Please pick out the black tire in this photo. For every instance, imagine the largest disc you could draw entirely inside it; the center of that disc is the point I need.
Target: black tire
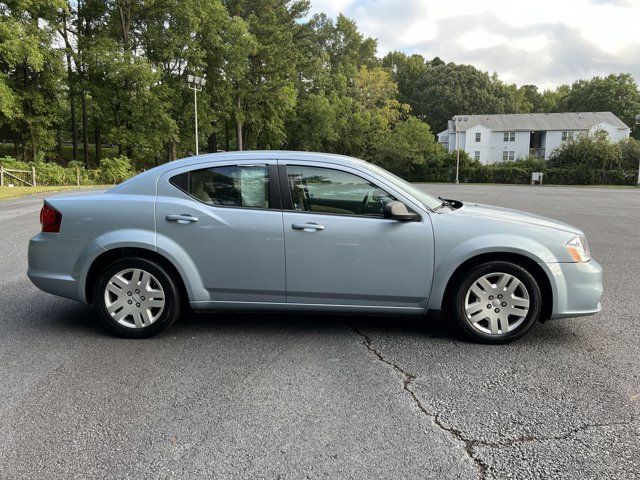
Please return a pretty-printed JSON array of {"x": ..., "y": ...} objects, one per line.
[
  {"x": 172, "y": 301},
  {"x": 457, "y": 300}
]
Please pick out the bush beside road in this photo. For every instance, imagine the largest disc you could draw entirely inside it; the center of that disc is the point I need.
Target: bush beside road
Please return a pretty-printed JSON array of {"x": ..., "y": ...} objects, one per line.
[{"x": 586, "y": 160}]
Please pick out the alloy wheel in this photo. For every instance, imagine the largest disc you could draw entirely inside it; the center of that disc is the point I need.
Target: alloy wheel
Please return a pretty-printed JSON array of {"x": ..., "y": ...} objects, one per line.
[
  {"x": 134, "y": 298},
  {"x": 496, "y": 303}
]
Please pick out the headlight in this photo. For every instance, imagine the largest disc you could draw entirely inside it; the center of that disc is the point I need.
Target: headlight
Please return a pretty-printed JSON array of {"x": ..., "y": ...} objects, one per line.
[{"x": 579, "y": 249}]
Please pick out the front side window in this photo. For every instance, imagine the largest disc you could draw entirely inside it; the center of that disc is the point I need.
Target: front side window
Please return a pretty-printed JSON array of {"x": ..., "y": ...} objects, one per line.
[
  {"x": 478, "y": 136},
  {"x": 476, "y": 155},
  {"x": 324, "y": 190},
  {"x": 227, "y": 186}
]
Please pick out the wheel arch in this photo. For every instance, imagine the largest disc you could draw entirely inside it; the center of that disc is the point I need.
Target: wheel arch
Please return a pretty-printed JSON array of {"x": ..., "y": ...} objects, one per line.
[
  {"x": 533, "y": 267},
  {"x": 107, "y": 257}
]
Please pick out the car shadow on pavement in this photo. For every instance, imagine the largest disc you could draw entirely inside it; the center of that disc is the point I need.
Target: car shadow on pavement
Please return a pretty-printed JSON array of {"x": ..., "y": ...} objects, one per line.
[
  {"x": 433, "y": 326},
  {"x": 83, "y": 319},
  {"x": 438, "y": 327}
]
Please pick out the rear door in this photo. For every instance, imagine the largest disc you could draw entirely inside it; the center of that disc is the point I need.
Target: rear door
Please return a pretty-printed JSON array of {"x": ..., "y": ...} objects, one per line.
[
  {"x": 226, "y": 217},
  {"x": 339, "y": 248}
]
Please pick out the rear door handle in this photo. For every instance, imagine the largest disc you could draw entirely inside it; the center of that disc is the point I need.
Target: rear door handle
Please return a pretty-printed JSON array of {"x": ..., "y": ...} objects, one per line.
[
  {"x": 181, "y": 218},
  {"x": 307, "y": 227}
]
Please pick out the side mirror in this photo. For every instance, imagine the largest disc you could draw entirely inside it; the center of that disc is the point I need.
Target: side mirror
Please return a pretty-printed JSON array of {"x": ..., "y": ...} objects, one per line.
[{"x": 398, "y": 211}]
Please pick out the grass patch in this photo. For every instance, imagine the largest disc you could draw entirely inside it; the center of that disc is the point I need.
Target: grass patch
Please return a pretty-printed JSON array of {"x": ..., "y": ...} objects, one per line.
[{"x": 7, "y": 193}]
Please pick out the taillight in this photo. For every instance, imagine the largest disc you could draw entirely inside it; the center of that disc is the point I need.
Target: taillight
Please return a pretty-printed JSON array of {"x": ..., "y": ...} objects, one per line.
[{"x": 50, "y": 219}]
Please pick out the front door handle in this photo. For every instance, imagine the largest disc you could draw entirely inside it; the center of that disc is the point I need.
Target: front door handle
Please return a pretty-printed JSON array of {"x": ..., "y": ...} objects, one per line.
[
  {"x": 181, "y": 218},
  {"x": 307, "y": 227}
]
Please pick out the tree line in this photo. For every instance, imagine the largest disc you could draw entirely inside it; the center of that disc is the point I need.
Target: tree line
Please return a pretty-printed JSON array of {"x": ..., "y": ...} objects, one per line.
[{"x": 78, "y": 77}]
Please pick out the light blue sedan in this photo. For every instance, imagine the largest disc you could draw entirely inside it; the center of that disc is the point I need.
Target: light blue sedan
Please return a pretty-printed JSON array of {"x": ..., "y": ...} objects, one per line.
[{"x": 307, "y": 232}]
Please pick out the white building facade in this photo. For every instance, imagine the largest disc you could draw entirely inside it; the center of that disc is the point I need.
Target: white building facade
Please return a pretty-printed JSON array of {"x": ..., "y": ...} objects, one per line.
[{"x": 508, "y": 137}]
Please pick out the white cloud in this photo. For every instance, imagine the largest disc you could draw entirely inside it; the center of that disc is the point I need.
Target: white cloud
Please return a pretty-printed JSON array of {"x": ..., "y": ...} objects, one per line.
[{"x": 547, "y": 42}]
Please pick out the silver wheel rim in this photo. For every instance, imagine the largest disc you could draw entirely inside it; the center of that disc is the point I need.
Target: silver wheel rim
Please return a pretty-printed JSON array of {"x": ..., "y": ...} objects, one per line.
[
  {"x": 134, "y": 298},
  {"x": 496, "y": 303}
]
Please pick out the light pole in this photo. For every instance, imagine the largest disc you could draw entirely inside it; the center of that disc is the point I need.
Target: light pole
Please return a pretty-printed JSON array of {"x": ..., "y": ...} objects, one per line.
[
  {"x": 638, "y": 126},
  {"x": 456, "y": 122},
  {"x": 196, "y": 84}
]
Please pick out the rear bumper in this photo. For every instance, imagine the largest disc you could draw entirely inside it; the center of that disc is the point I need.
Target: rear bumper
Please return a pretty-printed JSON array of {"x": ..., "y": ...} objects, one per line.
[
  {"x": 53, "y": 264},
  {"x": 577, "y": 288}
]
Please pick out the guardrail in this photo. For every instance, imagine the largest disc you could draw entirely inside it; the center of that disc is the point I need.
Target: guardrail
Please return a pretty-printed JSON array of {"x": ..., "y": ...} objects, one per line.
[{"x": 21, "y": 176}]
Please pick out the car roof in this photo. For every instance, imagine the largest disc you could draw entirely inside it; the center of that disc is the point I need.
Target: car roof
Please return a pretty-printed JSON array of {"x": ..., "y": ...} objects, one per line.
[
  {"x": 265, "y": 155},
  {"x": 147, "y": 180}
]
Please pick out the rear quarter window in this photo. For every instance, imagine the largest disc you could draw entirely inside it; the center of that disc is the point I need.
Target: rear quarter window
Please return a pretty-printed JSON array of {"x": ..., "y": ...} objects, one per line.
[{"x": 245, "y": 186}]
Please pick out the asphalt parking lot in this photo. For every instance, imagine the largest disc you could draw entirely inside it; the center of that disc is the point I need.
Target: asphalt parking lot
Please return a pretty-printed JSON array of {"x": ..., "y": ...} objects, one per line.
[{"x": 300, "y": 396}]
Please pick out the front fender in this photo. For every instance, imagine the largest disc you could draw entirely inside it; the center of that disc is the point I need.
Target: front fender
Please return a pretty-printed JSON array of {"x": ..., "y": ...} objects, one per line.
[{"x": 448, "y": 258}]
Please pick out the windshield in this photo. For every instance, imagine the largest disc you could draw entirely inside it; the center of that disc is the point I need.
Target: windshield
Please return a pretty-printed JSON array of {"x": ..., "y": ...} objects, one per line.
[{"x": 423, "y": 197}]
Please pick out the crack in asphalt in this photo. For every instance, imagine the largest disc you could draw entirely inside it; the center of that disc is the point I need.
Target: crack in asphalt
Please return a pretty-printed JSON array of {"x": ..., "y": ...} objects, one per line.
[
  {"x": 470, "y": 443},
  {"x": 407, "y": 381}
]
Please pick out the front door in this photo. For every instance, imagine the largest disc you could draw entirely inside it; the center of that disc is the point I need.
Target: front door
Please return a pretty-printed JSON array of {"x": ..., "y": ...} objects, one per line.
[
  {"x": 226, "y": 219},
  {"x": 339, "y": 248}
]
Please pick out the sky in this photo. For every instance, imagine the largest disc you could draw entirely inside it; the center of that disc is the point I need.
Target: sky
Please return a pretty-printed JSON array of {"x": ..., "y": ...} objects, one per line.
[{"x": 543, "y": 42}]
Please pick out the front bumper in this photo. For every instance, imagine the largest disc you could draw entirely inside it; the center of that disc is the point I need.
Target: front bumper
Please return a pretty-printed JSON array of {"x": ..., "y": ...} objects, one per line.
[{"x": 577, "y": 288}]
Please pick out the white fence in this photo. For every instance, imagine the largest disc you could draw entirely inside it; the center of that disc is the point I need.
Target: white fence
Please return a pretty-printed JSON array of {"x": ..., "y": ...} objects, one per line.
[{"x": 22, "y": 177}]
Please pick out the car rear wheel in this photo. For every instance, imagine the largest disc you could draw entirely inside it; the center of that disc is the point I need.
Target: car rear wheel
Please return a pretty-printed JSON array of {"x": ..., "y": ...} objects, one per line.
[
  {"x": 136, "y": 298},
  {"x": 496, "y": 302}
]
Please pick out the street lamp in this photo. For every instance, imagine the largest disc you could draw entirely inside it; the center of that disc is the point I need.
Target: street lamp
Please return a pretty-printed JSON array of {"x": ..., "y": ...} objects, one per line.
[
  {"x": 196, "y": 84},
  {"x": 638, "y": 124},
  {"x": 456, "y": 122}
]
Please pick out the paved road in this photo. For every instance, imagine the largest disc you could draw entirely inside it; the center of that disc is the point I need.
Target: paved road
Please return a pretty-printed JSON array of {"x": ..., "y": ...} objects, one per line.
[{"x": 257, "y": 396}]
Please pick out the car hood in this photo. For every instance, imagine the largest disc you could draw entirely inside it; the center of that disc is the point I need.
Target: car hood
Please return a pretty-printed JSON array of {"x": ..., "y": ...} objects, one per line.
[{"x": 478, "y": 210}]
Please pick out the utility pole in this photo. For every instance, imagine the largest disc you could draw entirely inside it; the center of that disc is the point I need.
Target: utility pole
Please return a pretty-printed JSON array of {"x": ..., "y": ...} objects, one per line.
[
  {"x": 196, "y": 84},
  {"x": 457, "y": 120},
  {"x": 638, "y": 126}
]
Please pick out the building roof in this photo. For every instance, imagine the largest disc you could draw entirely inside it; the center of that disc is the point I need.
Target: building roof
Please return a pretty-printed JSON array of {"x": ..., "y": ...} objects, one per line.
[{"x": 540, "y": 121}]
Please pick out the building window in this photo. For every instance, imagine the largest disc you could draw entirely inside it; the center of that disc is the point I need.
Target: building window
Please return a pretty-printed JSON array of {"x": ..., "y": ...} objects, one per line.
[
  {"x": 508, "y": 155},
  {"x": 476, "y": 155},
  {"x": 509, "y": 136},
  {"x": 478, "y": 136},
  {"x": 568, "y": 135}
]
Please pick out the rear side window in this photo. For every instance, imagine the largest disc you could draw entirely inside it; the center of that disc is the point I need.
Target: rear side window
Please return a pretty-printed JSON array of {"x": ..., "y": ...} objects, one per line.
[{"x": 227, "y": 186}]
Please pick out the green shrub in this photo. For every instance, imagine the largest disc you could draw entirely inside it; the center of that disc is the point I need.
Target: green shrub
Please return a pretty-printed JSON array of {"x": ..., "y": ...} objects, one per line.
[
  {"x": 51, "y": 174},
  {"x": 115, "y": 170},
  {"x": 10, "y": 162}
]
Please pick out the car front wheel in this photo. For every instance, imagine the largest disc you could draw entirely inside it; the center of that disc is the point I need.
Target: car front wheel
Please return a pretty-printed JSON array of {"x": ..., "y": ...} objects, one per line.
[
  {"x": 136, "y": 298},
  {"x": 497, "y": 302}
]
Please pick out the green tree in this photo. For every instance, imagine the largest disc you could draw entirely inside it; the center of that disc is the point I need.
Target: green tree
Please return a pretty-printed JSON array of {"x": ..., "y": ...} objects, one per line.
[
  {"x": 589, "y": 151},
  {"x": 614, "y": 93},
  {"x": 448, "y": 89},
  {"x": 263, "y": 92},
  {"x": 629, "y": 153},
  {"x": 31, "y": 74},
  {"x": 409, "y": 149},
  {"x": 406, "y": 71}
]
